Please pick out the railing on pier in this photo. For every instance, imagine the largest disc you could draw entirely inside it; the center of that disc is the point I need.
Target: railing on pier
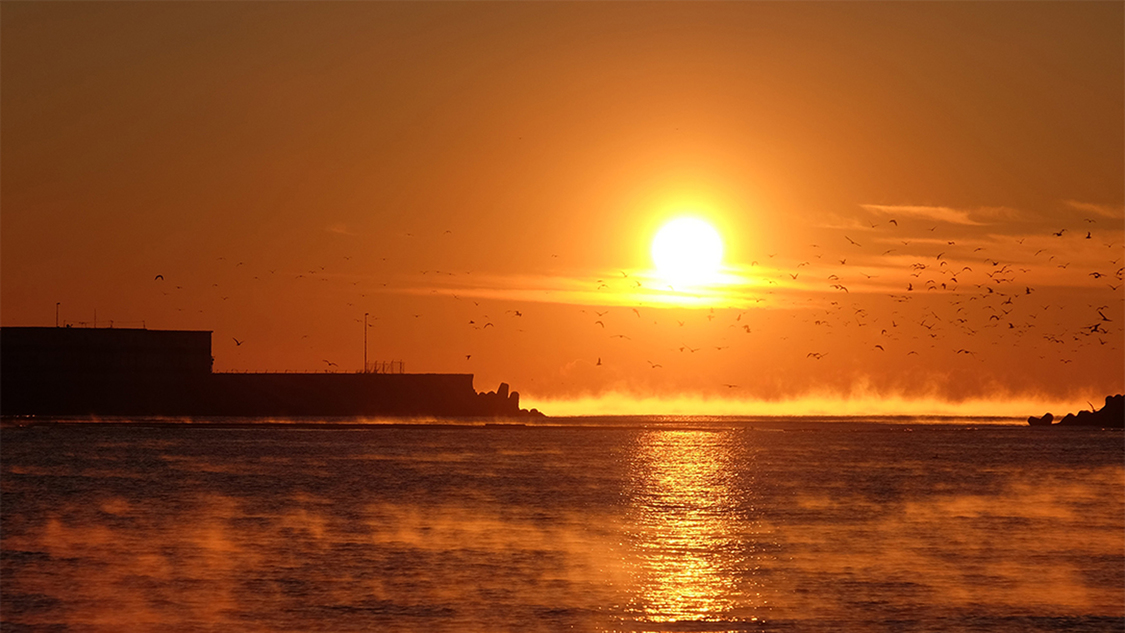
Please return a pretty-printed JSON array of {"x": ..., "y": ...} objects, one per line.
[
  {"x": 385, "y": 367},
  {"x": 103, "y": 324}
]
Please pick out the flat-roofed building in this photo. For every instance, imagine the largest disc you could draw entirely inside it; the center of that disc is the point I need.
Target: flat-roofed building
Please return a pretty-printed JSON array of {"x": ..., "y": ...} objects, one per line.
[{"x": 65, "y": 350}]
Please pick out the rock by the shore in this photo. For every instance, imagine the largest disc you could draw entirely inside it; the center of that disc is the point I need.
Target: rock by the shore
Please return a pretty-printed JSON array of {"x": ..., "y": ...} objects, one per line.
[{"x": 1110, "y": 416}]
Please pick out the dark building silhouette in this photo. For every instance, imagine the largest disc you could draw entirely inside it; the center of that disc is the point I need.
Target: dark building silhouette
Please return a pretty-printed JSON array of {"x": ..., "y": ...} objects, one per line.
[{"x": 117, "y": 372}]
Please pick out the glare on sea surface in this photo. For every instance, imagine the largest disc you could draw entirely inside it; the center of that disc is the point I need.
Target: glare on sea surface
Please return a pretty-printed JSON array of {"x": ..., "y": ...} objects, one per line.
[{"x": 687, "y": 564}]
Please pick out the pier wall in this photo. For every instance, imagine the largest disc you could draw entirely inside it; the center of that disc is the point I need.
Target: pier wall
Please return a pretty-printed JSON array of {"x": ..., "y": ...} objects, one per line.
[{"x": 106, "y": 372}]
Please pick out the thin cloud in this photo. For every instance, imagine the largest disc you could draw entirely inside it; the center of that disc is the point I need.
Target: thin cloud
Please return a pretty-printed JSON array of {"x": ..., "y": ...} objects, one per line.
[
  {"x": 1116, "y": 212},
  {"x": 642, "y": 288},
  {"x": 941, "y": 214}
]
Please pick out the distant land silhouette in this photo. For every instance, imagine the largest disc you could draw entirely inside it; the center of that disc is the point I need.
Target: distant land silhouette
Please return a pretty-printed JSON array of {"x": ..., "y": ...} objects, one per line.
[
  {"x": 1110, "y": 416},
  {"x": 52, "y": 371}
]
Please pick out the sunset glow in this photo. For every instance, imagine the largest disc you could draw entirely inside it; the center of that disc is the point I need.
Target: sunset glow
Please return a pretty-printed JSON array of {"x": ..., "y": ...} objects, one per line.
[
  {"x": 687, "y": 252},
  {"x": 923, "y": 202},
  {"x": 562, "y": 316}
]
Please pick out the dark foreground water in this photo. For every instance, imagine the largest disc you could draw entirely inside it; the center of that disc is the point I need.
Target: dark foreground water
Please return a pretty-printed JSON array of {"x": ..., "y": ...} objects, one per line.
[{"x": 720, "y": 525}]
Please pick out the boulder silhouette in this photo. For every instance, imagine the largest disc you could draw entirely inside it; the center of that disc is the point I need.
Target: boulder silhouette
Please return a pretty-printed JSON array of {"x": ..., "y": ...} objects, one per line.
[{"x": 1110, "y": 416}]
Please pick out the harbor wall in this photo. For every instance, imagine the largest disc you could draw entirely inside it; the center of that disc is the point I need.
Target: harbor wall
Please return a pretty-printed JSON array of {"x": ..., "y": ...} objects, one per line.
[{"x": 107, "y": 372}]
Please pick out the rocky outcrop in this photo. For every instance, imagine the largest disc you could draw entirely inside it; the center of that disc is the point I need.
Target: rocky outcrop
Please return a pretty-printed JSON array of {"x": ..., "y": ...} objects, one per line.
[
  {"x": 503, "y": 403},
  {"x": 1110, "y": 416}
]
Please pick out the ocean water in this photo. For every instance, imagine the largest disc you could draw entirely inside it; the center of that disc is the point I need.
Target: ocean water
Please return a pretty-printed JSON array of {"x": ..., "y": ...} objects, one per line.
[{"x": 624, "y": 524}]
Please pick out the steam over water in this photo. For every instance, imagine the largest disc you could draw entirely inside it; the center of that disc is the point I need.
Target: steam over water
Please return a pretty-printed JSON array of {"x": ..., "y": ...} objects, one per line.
[{"x": 627, "y": 524}]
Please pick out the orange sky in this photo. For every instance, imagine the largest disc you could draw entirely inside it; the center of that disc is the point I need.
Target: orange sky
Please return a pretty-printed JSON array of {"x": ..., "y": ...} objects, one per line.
[{"x": 288, "y": 167}]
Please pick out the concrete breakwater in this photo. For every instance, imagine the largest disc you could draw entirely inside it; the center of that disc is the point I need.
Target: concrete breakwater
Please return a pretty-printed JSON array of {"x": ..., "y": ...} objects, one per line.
[
  {"x": 1110, "y": 416},
  {"x": 75, "y": 372}
]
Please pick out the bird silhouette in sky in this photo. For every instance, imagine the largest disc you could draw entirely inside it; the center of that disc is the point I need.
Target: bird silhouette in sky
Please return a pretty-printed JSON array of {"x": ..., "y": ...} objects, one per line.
[
  {"x": 159, "y": 278},
  {"x": 237, "y": 343},
  {"x": 330, "y": 363},
  {"x": 815, "y": 355}
]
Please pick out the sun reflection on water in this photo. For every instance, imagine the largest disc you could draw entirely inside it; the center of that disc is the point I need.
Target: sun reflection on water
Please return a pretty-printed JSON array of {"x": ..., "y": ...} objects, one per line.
[{"x": 688, "y": 523}]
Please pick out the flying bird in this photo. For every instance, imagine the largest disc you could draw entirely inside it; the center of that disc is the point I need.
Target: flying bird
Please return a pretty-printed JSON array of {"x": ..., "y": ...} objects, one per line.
[
  {"x": 238, "y": 343},
  {"x": 816, "y": 355},
  {"x": 852, "y": 241},
  {"x": 159, "y": 278}
]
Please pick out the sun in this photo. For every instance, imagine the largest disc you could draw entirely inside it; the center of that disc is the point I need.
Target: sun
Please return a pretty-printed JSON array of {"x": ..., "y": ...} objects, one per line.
[{"x": 687, "y": 251}]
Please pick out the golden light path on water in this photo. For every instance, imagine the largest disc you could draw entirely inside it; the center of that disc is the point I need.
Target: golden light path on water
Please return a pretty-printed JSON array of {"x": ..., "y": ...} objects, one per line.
[{"x": 688, "y": 529}]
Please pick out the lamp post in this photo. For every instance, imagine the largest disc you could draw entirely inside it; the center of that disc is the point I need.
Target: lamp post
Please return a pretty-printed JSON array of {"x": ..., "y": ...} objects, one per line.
[
  {"x": 365, "y": 342},
  {"x": 57, "y": 313}
]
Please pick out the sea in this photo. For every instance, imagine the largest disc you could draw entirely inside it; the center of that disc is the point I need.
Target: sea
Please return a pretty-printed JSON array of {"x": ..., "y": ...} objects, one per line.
[{"x": 561, "y": 524}]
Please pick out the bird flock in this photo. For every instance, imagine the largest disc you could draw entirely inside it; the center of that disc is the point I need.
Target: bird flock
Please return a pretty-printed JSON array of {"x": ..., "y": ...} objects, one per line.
[{"x": 885, "y": 294}]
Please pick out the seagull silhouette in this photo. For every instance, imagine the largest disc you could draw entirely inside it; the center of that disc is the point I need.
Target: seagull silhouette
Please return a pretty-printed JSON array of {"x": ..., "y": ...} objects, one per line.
[{"x": 237, "y": 342}]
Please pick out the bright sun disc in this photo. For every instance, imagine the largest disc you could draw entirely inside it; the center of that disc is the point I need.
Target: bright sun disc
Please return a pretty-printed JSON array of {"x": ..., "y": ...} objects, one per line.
[{"x": 687, "y": 251}]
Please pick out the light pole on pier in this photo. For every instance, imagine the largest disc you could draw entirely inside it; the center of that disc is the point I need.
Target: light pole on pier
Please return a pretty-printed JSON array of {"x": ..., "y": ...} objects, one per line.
[
  {"x": 365, "y": 342},
  {"x": 57, "y": 313}
]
